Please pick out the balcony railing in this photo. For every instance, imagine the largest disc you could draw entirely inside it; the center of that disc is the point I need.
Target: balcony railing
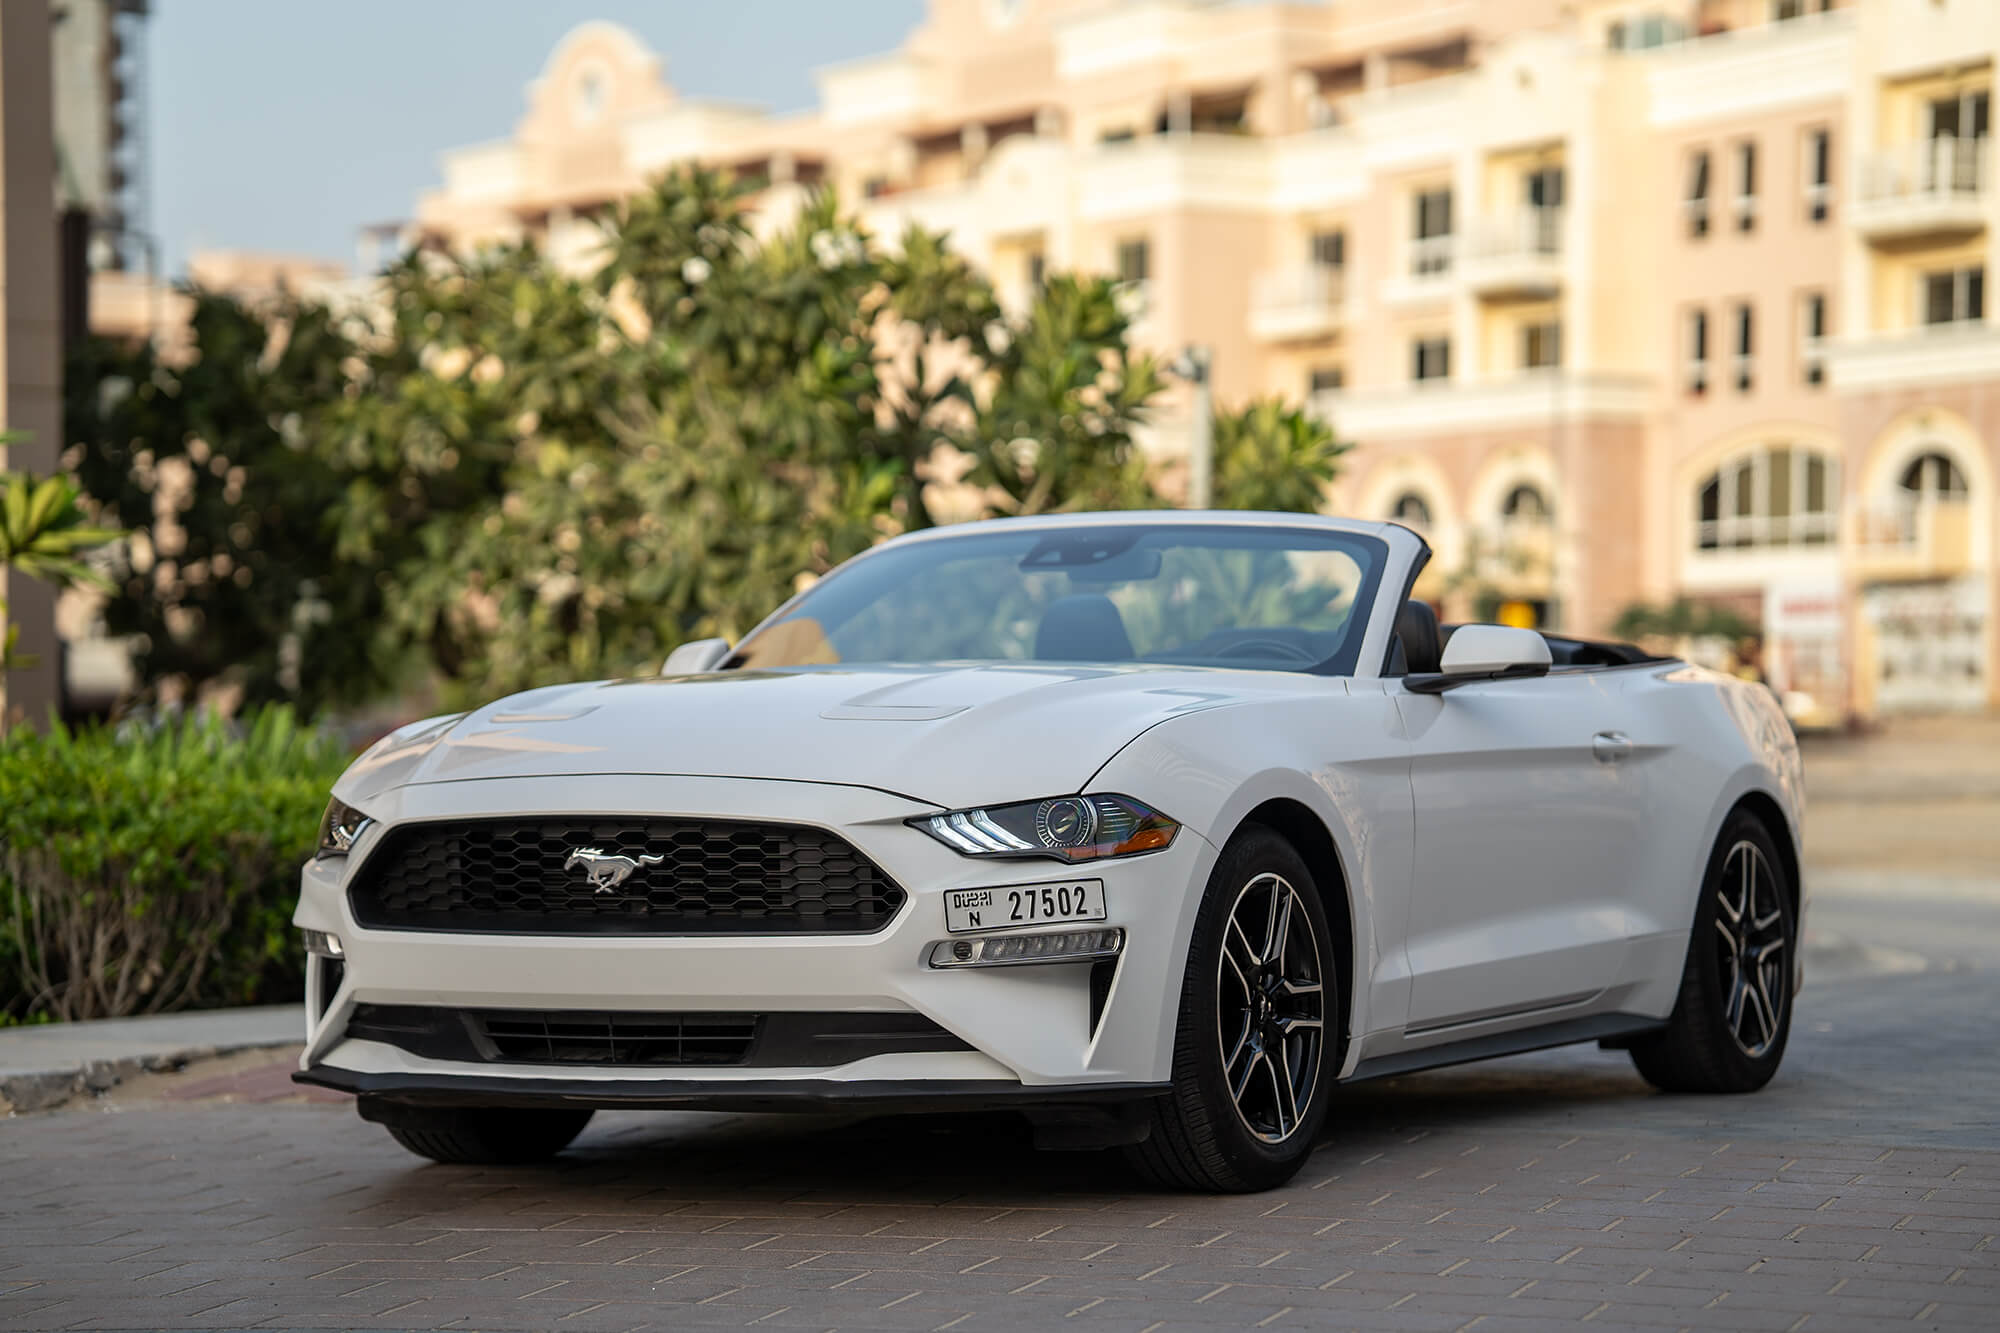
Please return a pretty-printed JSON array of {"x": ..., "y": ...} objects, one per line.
[
  {"x": 1914, "y": 538},
  {"x": 1430, "y": 256},
  {"x": 1304, "y": 302},
  {"x": 1517, "y": 254},
  {"x": 1929, "y": 186}
]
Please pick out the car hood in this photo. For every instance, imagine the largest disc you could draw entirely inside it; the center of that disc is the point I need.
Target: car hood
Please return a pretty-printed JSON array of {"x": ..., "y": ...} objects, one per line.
[{"x": 951, "y": 736}]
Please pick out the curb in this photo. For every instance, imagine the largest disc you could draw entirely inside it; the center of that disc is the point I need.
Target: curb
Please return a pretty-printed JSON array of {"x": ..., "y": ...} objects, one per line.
[{"x": 42, "y": 1068}]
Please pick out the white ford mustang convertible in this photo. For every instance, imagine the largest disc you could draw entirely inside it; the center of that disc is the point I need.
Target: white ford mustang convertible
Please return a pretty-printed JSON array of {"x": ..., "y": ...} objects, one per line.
[{"x": 1154, "y": 826}]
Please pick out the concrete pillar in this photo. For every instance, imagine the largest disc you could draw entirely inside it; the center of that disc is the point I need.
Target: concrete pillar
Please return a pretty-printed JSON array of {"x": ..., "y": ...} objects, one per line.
[
  {"x": 973, "y": 141},
  {"x": 30, "y": 322},
  {"x": 1375, "y": 73}
]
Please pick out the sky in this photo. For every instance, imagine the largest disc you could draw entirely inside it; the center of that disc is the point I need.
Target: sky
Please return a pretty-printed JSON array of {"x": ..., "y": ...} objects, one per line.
[{"x": 287, "y": 126}]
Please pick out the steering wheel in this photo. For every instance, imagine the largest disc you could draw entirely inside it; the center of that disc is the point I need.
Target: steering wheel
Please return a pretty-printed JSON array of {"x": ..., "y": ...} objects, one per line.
[{"x": 1266, "y": 648}]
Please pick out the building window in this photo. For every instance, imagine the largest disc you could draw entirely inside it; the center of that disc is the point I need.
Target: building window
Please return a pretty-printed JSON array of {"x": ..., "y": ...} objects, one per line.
[
  {"x": 1541, "y": 345},
  {"x": 1932, "y": 476},
  {"x": 1819, "y": 175},
  {"x": 1812, "y": 337},
  {"x": 1525, "y": 504},
  {"x": 1038, "y": 270},
  {"x": 1773, "y": 497},
  {"x": 1957, "y": 129},
  {"x": 1430, "y": 359},
  {"x": 1697, "y": 351},
  {"x": 1325, "y": 379},
  {"x": 1696, "y": 203},
  {"x": 1430, "y": 251},
  {"x": 1411, "y": 511},
  {"x": 1327, "y": 249},
  {"x": 1643, "y": 32},
  {"x": 1134, "y": 259},
  {"x": 1746, "y": 346},
  {"x": 1955, "y": 295},
  {"x": 1543, "y": 187},
  {"x": 1966, "y": 115},
  {"x": 1746, "y": 185}
]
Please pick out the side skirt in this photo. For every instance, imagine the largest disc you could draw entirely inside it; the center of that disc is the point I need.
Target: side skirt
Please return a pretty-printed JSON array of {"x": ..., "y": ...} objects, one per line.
[{"x": 1598, "y": 1027}]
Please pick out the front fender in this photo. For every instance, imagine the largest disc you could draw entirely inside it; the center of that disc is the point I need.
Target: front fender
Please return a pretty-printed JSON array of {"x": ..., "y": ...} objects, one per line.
[{"x": 1341, "y": 757}]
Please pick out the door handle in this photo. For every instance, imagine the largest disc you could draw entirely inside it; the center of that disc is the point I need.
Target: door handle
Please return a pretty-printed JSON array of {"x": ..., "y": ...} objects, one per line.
[{"x": 1608, "y": 747}]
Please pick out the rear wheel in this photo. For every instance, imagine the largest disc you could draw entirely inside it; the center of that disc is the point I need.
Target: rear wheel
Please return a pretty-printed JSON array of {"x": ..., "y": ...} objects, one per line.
[
  {"x": 1260, "y": 1010},
  {"x": 1734, "y": 1014},
  {"x": 479, "y": 1135}
]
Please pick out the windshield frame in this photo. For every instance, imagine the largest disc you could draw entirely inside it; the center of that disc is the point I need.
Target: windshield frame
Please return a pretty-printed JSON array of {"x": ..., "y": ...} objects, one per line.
[{"x": 1377, "y": 540}]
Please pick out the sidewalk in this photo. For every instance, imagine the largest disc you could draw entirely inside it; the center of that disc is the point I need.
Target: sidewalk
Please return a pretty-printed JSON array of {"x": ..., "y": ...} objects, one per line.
[{"x": 45, "y": 1066}]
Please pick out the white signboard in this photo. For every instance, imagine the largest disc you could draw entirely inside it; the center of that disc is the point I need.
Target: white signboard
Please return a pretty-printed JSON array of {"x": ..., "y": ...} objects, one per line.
[{"x": 1930, "y": 645}]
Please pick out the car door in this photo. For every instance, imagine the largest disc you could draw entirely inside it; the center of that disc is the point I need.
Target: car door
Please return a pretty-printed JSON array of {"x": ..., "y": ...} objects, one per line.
[{"x": 1527, "y": 807}]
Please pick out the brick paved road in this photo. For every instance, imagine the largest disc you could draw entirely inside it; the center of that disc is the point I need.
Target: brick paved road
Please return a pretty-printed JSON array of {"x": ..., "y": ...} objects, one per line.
[{"x": 1862, "y": 1189}]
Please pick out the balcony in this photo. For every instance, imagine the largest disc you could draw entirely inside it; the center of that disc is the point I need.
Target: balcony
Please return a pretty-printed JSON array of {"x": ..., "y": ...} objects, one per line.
[
  {"x": 1170, "y": 172},
  {"x": 1518, "y": 256},
  {"x": 1932, "y": 188},
  {"x": 1428, "y": 277},
  {"x": 1291, "y": 304},
  {"x": 1909, "y": 540},
  {"x": 1458, "y": 407},
  {"x": 1967, "y": 351}
]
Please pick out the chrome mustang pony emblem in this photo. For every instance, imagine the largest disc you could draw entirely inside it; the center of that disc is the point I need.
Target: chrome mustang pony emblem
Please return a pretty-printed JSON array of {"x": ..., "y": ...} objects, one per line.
[{"x": 607, "y": 872}]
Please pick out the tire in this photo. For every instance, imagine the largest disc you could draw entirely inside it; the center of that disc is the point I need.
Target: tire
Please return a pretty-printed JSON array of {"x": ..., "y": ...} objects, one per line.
[
  {"x": 1201, "y": 1137},
  {"x": 481, "y": 1135},
  {"x": 1734, "y": 1013}
]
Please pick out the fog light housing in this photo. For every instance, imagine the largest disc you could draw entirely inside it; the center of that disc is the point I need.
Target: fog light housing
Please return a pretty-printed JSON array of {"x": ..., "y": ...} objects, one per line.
[
  {"x": 320, "y": 944},
  {"x": 1066, "y": 946}
]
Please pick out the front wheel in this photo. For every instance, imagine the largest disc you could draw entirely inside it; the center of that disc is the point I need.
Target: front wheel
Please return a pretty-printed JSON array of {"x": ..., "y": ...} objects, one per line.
[
  {"x": 1255, "y": 1044},
  {"x": 1734, "y": 1014}
]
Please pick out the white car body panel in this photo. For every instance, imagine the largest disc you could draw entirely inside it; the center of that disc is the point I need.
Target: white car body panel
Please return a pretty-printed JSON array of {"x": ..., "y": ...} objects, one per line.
[{"x": 1498, "y": 868}]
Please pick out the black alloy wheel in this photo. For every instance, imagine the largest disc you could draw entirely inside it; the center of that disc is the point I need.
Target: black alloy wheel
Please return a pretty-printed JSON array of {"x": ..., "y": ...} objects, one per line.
[
  {"x": 1256, "y": 1044},
  {"x": 1734, "y": 1012}
]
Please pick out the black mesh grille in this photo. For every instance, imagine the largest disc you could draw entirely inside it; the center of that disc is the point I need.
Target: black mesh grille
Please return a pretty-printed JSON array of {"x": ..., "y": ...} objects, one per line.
[
  {"x": 526, "y": 877},
  {"x": 563, "y": 1038},
  {"x": 644, "y": 1037}
]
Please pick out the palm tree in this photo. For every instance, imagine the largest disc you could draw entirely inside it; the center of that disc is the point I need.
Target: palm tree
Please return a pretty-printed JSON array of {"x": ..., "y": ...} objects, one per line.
[{"x": 43, "y": 534}]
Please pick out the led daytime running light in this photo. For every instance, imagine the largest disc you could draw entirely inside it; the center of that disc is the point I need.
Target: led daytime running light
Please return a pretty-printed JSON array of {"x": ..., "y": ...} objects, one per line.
[{"x": 1016, "y": 950}]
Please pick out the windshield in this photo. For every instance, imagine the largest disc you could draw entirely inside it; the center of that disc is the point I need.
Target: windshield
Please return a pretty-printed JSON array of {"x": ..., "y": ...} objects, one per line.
[{"x": 1224, "y": 596}]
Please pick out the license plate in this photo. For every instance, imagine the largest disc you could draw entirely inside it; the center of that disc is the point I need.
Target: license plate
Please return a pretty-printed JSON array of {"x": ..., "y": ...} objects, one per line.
[{"x": 967, "y": 910}]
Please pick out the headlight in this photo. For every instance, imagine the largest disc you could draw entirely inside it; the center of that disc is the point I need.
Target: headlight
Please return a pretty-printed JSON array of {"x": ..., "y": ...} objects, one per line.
[
  {"x": 339, "y": 827},
  {"x": 1067, "y": 828}
]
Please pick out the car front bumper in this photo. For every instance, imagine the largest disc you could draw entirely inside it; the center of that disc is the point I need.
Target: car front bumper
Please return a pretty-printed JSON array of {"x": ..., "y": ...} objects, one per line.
[{"x": 1028, "y": 1029}]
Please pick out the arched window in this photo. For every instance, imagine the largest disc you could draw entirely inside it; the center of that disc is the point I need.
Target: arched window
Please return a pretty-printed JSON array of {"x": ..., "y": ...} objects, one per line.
[
  {"x": 1525, "y": 504},
  {"x": 1411, "y": 511},
  {"x": 1771, "y": 497},
  {"x": 1932, "y": 476}
]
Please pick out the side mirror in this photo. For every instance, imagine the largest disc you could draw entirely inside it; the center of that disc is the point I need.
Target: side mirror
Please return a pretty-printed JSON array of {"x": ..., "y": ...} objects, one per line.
[
  {"x": 1485, "y": 652},
  {"x": 695, "y": 657}
]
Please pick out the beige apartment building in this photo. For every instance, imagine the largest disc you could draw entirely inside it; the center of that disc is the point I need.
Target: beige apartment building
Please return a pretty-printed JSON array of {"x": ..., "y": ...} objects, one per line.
[{"x": 1621, "y": 301}]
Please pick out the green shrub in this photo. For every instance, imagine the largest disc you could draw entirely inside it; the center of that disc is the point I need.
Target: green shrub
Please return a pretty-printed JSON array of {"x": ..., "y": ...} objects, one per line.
[{"x": 148, "y": 868}]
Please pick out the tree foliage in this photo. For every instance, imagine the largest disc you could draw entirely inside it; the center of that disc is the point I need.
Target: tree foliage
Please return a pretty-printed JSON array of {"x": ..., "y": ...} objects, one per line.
[
  {"x": 1273, "y": 456},
  {"x": 1682, "y": 618},
  {"x": 528, "y": 470},
  {"x": 212, "y": 466}
]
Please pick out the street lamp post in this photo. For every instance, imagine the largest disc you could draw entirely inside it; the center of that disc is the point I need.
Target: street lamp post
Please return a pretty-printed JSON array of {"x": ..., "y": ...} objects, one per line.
[{"x": 1192, "y": 366}]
